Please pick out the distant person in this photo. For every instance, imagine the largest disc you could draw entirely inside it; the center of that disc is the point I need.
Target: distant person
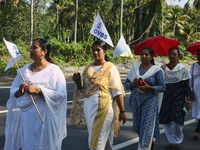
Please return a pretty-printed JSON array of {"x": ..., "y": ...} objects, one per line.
[
  {"x": 195, "y": 81},
  {"x": 102, "y": 89},
  {"x": 143, "y": 100},
  {"x": 172, "y": 114},
  {"x": 46, "y": 83}
]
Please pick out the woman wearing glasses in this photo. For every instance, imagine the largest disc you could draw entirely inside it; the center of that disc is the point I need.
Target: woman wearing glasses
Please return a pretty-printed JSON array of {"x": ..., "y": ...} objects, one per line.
[
  {"x": 195, "y": 72},
  {"x": 176, "y": 97}
]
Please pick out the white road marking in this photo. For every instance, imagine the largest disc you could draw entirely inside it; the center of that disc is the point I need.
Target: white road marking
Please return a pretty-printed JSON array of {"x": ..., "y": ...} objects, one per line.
[
  {"x": 4, "y": 111},
  {"x": 68, "y": 102},
  {"x": 121, "y": 145},
  {"x": 8, "y": 86},
  {"x": 5, "y": 87},
  {"x": 136, "y": 140}
]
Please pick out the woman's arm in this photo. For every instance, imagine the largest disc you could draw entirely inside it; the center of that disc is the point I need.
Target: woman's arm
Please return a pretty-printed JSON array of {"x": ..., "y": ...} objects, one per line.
[
  {"x": 191, "y": 73},
  {"x": 31, "y": 89},
  {"x": 160, "y": 87},
  {"x": 129, "y": 84},
  {"x": 187, "y": 93},
  {"x": 21, "y": 90},
  {"x": 160, "y": 80},
  {"x": 120, "y": 103}
]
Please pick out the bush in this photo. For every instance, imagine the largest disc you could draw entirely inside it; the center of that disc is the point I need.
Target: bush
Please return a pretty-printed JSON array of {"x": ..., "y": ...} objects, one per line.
[{"x": 61, "y": 53}]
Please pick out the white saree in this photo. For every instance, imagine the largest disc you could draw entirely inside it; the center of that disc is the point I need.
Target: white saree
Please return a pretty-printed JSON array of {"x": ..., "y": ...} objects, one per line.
[
  {"x": 101, "y": 85},
  {"x": 105, "y": 140},
  {"x": 23, "y": 126}
]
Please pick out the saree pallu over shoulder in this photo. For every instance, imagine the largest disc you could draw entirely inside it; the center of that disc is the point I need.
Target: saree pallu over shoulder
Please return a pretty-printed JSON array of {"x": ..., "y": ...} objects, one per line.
[{"x": 100, "y": 80}]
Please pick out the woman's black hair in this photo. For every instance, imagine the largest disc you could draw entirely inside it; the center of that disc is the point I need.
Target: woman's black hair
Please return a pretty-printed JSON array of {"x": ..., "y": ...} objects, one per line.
[
  {"x": 103, "y": 45},
  {"x": 151, "y": 52},
  {"x": 45, "y": 45},
  {"x": 178, "y": 51},
  {"x": 197, "y": 51}
]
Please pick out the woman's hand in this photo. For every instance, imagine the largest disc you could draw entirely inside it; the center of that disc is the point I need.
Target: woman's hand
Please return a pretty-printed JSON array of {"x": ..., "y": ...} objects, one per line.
[
  {"x": 120, "y": 103},
  {"x": 144, "y": 87},
  {"x": 134, "y": 83},
  {"x": 31, "y": 89},
  {"x": 75, "y": 77},
  {"x": 122, "y": 116},
  {"x": 22, "y": 88},
  {"x": 187, "y": 106}
]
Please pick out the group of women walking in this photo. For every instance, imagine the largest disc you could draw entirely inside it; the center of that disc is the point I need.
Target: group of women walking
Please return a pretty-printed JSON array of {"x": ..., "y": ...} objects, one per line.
[
  {"x": 150, "y": 107},
  {"x": 158, "y": 95}
]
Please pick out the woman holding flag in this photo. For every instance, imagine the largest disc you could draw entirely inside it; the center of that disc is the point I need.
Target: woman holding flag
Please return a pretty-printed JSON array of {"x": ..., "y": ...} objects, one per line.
[
  {"x": 102, "y": 88},
  {"x": 145, "y": 83},
  {"x": 45, "y": 83}
]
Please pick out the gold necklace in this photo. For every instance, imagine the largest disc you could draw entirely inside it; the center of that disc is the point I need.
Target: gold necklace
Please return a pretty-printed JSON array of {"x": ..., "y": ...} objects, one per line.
[{"x": 33, "y": 68}]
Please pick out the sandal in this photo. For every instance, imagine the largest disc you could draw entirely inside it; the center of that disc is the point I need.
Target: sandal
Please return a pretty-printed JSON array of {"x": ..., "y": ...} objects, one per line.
[
  {"x": 170, "y": 146},
  {"x": 177, "y": 147},
  {"x": 196, "y": 135},
  {"x": 153, "y": 145}
]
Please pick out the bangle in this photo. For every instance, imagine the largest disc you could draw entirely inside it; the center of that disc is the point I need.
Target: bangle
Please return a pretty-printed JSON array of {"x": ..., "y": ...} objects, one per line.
[
  {"x": 188, "y": 102},
  {"x": 122, "y": 111},
  {"x": 37, "y": 91}
]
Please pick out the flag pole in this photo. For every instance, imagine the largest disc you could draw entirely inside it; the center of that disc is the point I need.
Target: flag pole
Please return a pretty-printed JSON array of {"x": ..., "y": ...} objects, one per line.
[
  {"x": 30, "y": 94},
  {"x": 133, "y": 65},
  {"x": 84, "y": 52}
]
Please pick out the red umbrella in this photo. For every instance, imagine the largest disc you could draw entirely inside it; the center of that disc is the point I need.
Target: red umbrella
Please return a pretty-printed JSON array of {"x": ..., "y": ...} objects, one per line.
[
  {"x": 159, "y": 44},
  {"x": 193, "y": 48}
]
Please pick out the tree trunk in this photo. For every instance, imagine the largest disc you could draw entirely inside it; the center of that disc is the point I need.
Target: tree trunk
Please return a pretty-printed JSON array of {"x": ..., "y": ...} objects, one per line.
[
  {"x": 61, "y": 22},
  {"x": 57, "y": 23},
  {"x": 31, "y": 38},
  {"x": 75, "y": 24},
  {"x": 174, "y": 29},
  {"x": 114, "y": 22},
  {"x": 121, "y": 17},
  {"x": 131, "y": 36},
  {"x": 82, "y": 30}
]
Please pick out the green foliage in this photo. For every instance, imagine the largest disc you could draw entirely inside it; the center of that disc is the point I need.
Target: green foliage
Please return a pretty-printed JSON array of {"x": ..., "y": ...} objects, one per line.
[
  {"x": 185, "y": 54},
  {"x": 15, "y": 27}
]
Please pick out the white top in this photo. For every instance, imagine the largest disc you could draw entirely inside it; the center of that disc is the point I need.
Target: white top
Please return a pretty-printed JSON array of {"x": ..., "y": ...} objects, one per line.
[{"x": 23, "y": 117}]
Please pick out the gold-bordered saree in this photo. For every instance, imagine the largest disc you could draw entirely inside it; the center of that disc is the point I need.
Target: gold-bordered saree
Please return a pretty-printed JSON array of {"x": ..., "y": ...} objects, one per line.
[{"x": 100, "y": 80}]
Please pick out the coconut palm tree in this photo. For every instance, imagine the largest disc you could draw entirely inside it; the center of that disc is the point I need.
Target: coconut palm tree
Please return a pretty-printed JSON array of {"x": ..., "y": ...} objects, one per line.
[
  {"x": 175, "y": 19},
  {"x": 196, "y": 5},
  {"x": 65, "y": 10},
  {"x": 189, "y": 33}
]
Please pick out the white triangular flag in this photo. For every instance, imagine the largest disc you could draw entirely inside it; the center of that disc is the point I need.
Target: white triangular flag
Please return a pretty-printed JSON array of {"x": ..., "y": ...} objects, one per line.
[
  {"x": 127, "y": 53},
  {"x": 99, "y": 30},
  {"x": 120, "y": 48},
  {"x": 14, "y": 52}
]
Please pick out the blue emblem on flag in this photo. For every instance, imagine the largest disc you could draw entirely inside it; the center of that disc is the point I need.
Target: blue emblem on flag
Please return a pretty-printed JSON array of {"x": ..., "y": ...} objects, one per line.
[
  {"x": 99, "y": 25},
  {"x": 15, "y": 49}
]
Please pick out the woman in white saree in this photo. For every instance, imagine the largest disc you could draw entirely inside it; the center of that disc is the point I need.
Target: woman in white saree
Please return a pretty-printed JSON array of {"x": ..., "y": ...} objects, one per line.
[
  {"x": 46, "y": 83},
  {"x": 102, "y": 88}
]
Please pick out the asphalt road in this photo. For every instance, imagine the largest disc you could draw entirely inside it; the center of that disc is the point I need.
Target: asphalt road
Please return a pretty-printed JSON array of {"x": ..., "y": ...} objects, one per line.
[{"x": 77, "y": 137}]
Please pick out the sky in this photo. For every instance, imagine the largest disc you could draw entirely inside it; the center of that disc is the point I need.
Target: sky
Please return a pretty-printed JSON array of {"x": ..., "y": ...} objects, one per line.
[{"x": 176, "y": 2}]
